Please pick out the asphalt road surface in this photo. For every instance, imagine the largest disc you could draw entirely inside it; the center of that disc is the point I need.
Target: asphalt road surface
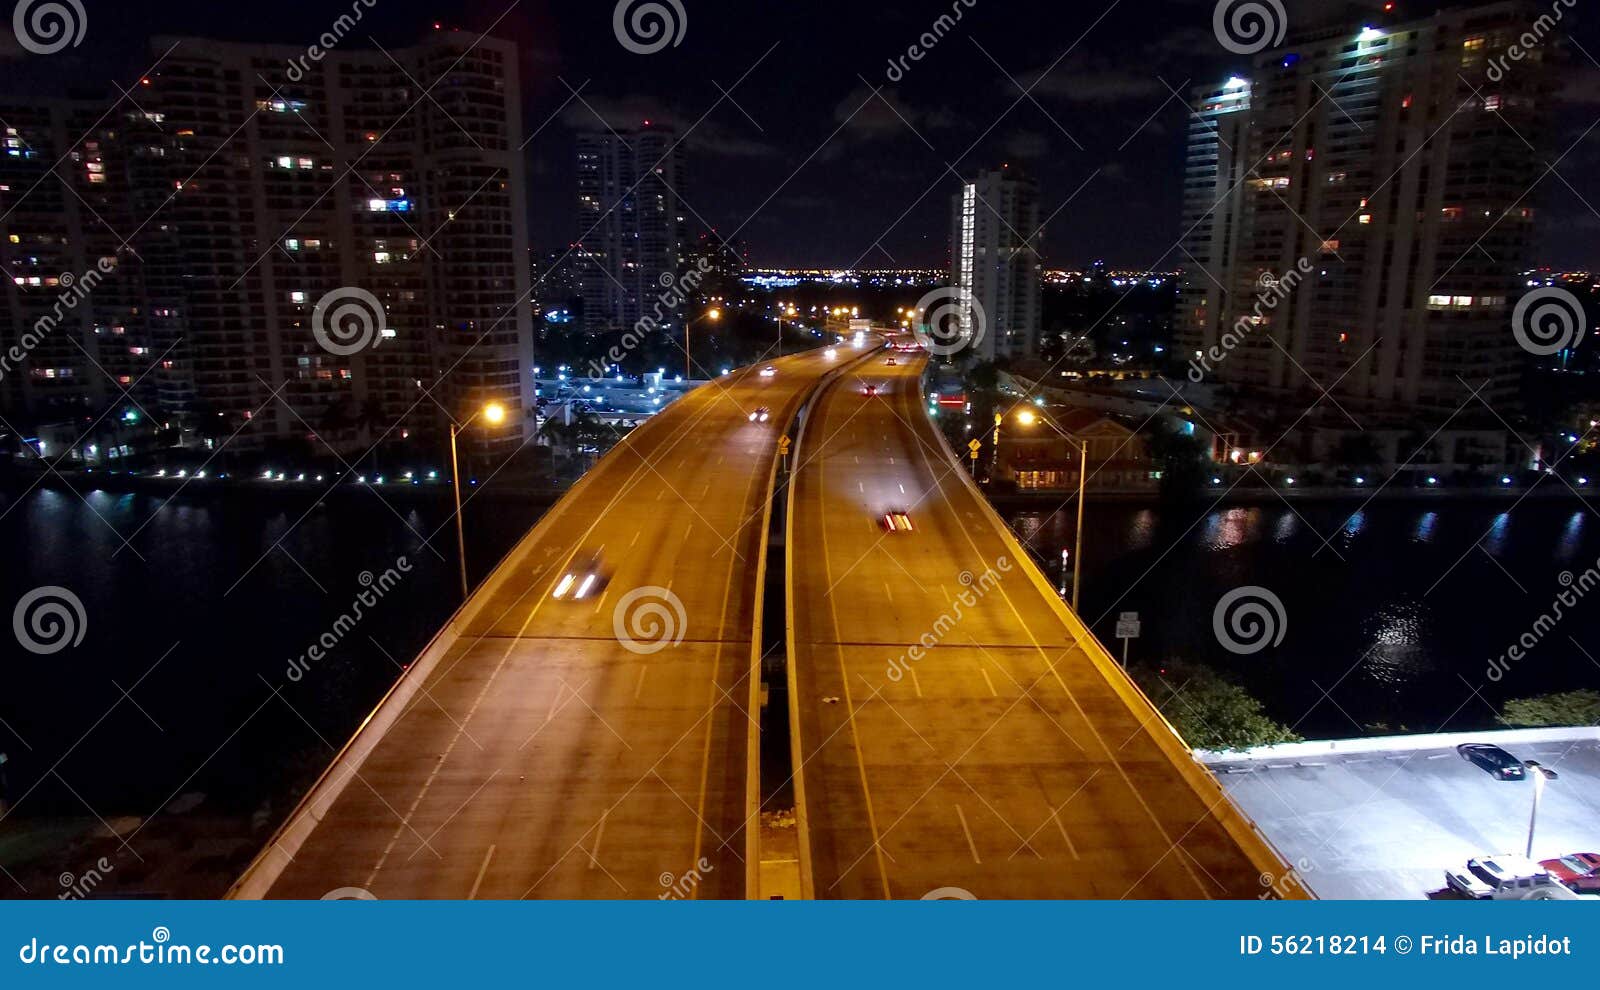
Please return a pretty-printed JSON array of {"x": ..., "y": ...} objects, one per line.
[
  {"x": 1012, "y": 759},
  {"x": 545, "y": 759},
  {"x": 1385, "y": 825}
]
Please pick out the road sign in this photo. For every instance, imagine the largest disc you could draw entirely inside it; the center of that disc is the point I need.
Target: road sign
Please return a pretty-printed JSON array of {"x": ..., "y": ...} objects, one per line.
[
  {"x": 974, "y": 446},
  {"x": 1128, "y": 625},
  {"x": 783, "y": 446}
]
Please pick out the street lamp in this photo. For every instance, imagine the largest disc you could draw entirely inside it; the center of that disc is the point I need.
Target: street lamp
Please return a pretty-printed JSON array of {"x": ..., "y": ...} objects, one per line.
[
  {"x": 1540, "y": 774},
  {"x": 792, "y": 312},
  {"x": 1027, "y": 417},
  {"x": 688, "y": 363},
  {"x": 495, "y": 414}
]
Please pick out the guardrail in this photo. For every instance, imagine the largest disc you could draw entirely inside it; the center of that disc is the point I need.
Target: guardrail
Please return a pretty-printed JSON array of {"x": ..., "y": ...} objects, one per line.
[
  {"x": 796, "y": 756},
  {"x": 1397, "y": 744}
]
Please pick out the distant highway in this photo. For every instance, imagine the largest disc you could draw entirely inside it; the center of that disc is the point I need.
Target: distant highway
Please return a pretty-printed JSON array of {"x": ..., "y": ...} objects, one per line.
[
  {"x": 1006, "y": 756},
  {"x": 531, "y": 754}
]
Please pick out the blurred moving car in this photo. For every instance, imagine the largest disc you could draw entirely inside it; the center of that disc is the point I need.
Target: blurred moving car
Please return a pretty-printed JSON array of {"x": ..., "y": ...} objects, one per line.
[
  {"x": 760, "y": 415},
  {"x": 898, "y": 521},
  {"x": 769, "y": 371},
  {"x": 1493, "y": 760},
  {"x": 584, "y": 577}
]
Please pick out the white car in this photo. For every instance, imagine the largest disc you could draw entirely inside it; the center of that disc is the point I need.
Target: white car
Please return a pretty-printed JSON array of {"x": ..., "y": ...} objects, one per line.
[
  {"x": 830, "y": 353},
  {"x": 760, "y": 415},
  {"x": 769, "y": 372},
  {"x": 1499, "y": 876}
]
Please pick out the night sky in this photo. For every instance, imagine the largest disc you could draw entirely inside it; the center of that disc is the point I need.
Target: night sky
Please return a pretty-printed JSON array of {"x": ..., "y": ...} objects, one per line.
[{"x": 802, "y": 161}]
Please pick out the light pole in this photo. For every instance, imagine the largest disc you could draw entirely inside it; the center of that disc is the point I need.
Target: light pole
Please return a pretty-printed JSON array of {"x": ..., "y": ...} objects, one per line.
[
  {"x": 1027, "y": 417},
  {"x": 1539, "y": 775},
  {"x": 495, "y": 414},
  {"x": 792, "y": 313},
  {"x": 688, "y": 363}
]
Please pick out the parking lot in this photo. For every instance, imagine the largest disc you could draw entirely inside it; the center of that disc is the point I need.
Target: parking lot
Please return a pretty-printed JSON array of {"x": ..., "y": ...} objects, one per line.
[{"x": 1382, "y": 818}]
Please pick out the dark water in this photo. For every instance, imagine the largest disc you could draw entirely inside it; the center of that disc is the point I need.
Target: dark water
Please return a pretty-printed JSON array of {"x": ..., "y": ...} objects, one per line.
[
  {"x": 201, "y": 625},
  {"x": 198, "y": 620},
  {"x": 1396, "y": 612}
]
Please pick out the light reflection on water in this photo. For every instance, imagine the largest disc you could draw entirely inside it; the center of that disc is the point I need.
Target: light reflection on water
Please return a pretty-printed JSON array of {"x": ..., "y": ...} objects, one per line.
[
  {"x": 1396, "y": 655},
  {"x": 1427, "y": 526},
  {"x": 1403, "y": 618},
  {"x": 1495, "y": 540},
  {"x": 1231, "y": 528},
  {"x": 1571, "y": 537}
]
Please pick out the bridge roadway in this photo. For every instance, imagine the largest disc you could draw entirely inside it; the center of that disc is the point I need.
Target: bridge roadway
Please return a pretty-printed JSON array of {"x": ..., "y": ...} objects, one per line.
[
  {"x": 1012, "y": 759},
  {"x": 529, "y": 754}
]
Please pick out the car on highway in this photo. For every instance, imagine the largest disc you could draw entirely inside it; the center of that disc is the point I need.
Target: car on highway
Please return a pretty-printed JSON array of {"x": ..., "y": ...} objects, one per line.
[
  {"x": 830, "y": 353},
  {"x": 583, "y": 577},
  {"x": 1491, "y": 876},
  {"x": 869, "y": 388},
  {"x": 897, "y": 521},
  {"x": 1493, "y": 760},
  {"x": 891, "y": 362},
  {"x": 769, "y": 372},
  {"x": 1579, "y": 871},
  {"x": 760, "y": 415}
]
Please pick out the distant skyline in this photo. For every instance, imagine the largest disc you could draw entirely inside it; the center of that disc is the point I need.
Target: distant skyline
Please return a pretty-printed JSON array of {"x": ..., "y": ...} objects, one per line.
[{"x": 792, "y": 150}]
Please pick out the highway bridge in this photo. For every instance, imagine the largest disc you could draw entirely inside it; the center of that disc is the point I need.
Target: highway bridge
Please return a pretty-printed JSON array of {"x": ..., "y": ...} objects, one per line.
[
  {"x": 959, "y": 729},
  {"x": 588, "y": 725},
  {"x": 529, "y": 753}
]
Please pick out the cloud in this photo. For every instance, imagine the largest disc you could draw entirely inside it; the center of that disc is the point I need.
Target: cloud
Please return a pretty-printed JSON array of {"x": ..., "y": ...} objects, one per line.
[
  {"x": 1096, "y": 80},
  {"x": 872, "y": 117},
  {"x": 704, "y": 135},
  {"x": 1026, "y": 145}
]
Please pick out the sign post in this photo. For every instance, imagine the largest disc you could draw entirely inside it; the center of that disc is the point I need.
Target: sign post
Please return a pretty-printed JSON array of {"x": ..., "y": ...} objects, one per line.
[
  {"x": 974, "y": 447},
  {"x": 783, "y": 451},
  {"x": 1128, "y": 627}
]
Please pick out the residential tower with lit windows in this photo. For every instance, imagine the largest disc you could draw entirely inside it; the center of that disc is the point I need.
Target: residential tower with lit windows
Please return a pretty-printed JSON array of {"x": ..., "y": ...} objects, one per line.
[
  {"x": 995, "y": 238},
  {"x": 1397, "y": 159},
  {"x": 243, "y": 185}
]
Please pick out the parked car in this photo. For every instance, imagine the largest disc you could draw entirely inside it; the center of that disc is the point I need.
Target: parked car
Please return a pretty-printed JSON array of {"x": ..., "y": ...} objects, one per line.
[
  {"x": 1488, "y": 876},
  {"x": 1493, "y": 760},
  {"x": 1580, "y": 871}
]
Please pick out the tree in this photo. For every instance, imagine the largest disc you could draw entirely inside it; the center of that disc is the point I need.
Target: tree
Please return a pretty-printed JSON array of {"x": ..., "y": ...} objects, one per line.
[
  {"x": 1183, "y": 461},
  {"x": 1561, "y": 709},
  {"x": 1208, "y": 711}
]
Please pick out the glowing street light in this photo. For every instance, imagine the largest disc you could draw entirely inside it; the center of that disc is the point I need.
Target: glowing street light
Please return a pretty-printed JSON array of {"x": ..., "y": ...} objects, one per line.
[
  {"x": 714, "y": 315},
  {"x": 494, "y": 413},
  {"x": 1027, "y": 417}
]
